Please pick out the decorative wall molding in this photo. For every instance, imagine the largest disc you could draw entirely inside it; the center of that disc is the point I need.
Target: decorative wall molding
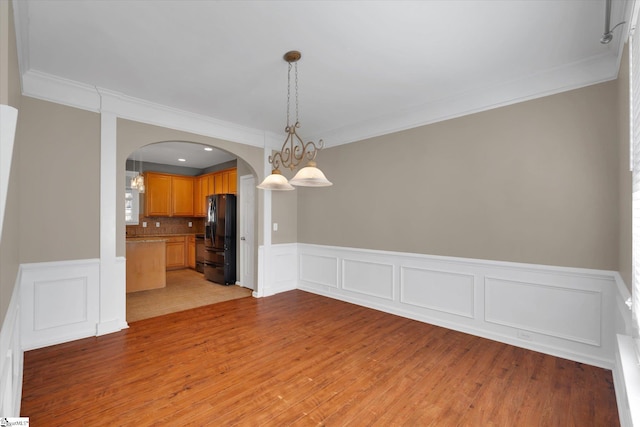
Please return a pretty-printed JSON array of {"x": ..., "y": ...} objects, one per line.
[
  {"x": 279, "y": 264},
  {"x": 55, "y": 89},
  {"x": 59, "y": 302},
  {"x": 566, "y": 312},
  {"x": 11, "y": 358}
]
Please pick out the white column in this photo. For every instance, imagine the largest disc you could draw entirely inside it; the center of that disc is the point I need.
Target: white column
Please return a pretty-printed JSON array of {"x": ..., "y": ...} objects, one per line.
[
  {"x": 264, "y": 252},
  {"x": 112, "y": 271}
]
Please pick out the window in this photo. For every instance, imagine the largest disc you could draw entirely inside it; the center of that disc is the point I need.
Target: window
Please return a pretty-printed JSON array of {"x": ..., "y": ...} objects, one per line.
[{"x": 132, "y": 200}]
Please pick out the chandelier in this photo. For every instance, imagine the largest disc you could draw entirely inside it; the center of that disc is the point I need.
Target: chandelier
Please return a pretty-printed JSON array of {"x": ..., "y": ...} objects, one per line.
[
  {"x": 137, "y": 182},
  {"x": 295, "y": 150}
]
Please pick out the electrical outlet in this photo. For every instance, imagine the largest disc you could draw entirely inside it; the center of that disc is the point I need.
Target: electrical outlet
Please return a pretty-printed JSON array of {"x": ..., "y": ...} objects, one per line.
[
  {"x": 275, "y": 226},
  {"x": 144, "y": 224},
  {"x": 157, "y": 224},
  {"x": 190, "y": 224}
]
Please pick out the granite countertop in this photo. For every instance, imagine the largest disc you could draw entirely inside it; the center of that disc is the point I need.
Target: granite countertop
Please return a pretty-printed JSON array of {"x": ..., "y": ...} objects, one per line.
[
  {"x": 147, "y": 239},
  {"x": 158, "y": 236}
]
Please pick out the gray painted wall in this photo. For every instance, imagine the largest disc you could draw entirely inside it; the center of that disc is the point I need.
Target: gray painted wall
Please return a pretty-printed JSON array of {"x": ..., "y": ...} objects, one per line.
[{"x": 534, "y": 182}]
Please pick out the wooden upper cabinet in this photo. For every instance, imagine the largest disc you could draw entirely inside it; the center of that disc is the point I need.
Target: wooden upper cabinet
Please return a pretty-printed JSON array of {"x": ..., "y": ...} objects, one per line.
[
  {"x": 233, "y": 181},
  {"x": 218, "y": 184},
  {"x": 179, "y": 195},
  {"x": 199, "y": 194},
  {"x": 168, "y": 195},
  {"x": 157, "y": 198},
  {"x": 182, "y": 195},
  {"x": 211, "y": 184}
]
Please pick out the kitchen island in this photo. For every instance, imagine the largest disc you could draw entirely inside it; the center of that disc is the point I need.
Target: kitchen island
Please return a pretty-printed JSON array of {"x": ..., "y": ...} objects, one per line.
[{"x": 146, "y": 260}]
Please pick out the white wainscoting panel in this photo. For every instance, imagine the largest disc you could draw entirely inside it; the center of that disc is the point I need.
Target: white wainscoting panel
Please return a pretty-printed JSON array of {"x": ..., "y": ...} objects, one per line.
[
  {"x": 445, "y": 291},
  {"x": 281, "y": 268},
  {"x": 321, "y": 270},
  {"x": 11, "y": 358},
  {"x": 368, "y": 278},
  {"x": 572, "y": 314},
  {"x": 59, "y": 302},
  {"x": 566, "y": 312}
]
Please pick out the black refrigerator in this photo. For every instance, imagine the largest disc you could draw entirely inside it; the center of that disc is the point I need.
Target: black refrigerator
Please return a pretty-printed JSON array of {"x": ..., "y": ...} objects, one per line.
[{"x": 220, "y": 239}]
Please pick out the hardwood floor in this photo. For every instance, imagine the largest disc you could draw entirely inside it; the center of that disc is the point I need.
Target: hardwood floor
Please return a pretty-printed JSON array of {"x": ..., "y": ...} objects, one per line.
[{"x": 301, "y": 359}]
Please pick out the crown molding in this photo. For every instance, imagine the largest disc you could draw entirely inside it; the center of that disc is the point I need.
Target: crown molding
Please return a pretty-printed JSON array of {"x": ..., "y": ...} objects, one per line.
[
  {"x": 51, "y": 88},
  {"x": 562, "y": 79}
]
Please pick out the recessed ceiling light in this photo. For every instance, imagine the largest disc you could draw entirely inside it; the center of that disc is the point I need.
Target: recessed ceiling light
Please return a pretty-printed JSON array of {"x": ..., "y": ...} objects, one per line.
[
  {"x": 182, "y": 160},
  {"x": 208, "y": 149}
]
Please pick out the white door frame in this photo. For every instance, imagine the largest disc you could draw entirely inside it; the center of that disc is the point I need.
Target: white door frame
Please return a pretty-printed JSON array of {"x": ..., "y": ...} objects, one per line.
[{"x": 247, "y": 195}]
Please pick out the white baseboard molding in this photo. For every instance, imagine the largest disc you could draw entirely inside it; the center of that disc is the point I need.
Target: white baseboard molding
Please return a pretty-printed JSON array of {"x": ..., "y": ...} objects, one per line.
[
  {"x": 11, "y": 358},
  {"x": 565, "y": 312}
]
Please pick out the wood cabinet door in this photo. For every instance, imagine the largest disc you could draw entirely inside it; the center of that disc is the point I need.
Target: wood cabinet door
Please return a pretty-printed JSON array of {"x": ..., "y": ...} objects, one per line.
[
  {"x": 217, "y": 183},
  {"x": 182, "y": 195},
  {"x": 211, "y": 185},
  {"x": 199, "y": 196},
  {"x": 176, "y": 253},
  {"x": 157, "y": 200},
  {"x": 233, "y": 181},
  {"x": 191, "y": 256}
]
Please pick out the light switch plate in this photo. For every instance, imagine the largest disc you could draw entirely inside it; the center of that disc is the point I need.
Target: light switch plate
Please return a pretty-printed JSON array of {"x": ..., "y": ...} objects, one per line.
[
  {"x": 144, "y": 224},
  {"x": 157, "y": 224}
]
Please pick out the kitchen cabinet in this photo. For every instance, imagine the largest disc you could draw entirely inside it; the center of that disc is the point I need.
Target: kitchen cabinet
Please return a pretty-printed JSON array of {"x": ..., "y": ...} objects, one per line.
[
  {"x": 168, "y": 195},
  {"x": 191, "y": 252},
  {"x": 182, "y": 195},
  {"x": 199, "y": 194},
  {"x": 221, "y": 182},
  {"x": 232, "y": 181},
  {"x": 176, "y": 253},
  {"x": 157, "y": 199},
  {"x": 145, "y": 264}
]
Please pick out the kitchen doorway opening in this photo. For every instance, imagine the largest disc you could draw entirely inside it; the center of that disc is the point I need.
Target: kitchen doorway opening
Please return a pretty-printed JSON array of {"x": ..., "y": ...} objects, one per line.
[{"x": 170, "y": 227}]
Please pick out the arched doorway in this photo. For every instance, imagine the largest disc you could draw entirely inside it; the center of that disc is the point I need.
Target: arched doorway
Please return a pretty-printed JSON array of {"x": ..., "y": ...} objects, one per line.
[{"x": 197, "y": 159}]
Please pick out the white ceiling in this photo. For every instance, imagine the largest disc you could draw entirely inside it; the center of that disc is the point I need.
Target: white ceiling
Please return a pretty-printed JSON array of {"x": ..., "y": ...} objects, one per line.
[
  {"x": 169, "y": 153},
  {"x": 367, "y": 67}
]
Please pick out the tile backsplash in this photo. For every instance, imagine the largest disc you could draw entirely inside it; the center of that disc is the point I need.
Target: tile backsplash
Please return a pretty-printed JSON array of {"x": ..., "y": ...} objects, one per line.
[{"x": 168, "y": 225}]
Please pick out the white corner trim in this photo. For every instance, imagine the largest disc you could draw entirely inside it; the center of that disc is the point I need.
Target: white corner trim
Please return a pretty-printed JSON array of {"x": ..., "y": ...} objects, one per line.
[{"x": 8, "y": 121}]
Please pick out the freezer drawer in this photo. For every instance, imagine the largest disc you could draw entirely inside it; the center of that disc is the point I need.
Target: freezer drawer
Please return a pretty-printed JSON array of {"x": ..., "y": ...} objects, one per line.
[
  {"x": 214, "y": 256},
  {"x": 214, "y": 273}
]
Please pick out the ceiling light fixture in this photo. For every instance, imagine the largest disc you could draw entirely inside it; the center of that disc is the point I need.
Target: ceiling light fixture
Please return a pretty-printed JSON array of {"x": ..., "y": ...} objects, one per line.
[
  {"x": 608, "y": 32},
  {"x": 137, "y": 182},
  {"x": 294, "y": 149}
]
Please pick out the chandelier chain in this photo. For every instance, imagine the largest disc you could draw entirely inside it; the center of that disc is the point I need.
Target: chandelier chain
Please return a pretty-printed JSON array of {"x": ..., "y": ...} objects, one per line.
[
  {"x": 288, "y": 93},
  {"x": 296, "y": 66}
]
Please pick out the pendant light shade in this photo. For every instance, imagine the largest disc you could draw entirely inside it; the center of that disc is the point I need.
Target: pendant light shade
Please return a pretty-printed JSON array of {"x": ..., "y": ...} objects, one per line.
[
  {"x": 276, "y": 181},
  {"x": 310, "y": 176}
]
